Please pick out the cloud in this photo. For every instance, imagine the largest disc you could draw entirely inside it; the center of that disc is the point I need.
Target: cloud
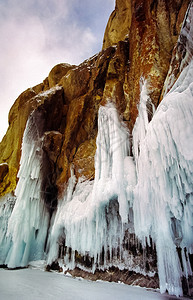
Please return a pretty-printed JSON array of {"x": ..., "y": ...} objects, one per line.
[{"x": 35, "y": 35}]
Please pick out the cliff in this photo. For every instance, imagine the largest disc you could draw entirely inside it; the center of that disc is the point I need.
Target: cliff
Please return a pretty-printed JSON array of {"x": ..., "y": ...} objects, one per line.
[
  {"x": 141, "y": 34},
  {"x": 146, "y": 47}
]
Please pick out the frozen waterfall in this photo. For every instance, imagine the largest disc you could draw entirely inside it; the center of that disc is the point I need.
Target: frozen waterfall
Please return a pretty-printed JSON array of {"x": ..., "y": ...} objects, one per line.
[
  {"x": 90, "y": 219},
  {"x": 163, "y": 201},
  {"x": 25, "y": 224},
  {"x": 93, "y": 217},
  {"x": 150, "y": 194}
]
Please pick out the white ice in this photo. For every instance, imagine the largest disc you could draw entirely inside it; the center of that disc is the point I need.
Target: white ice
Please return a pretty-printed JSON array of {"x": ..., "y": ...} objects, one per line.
[{"x": 163, "y": 197}]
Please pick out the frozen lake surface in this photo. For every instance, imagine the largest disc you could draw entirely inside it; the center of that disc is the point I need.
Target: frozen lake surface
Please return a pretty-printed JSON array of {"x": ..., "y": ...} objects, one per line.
[{"x": 33, "y": 284}]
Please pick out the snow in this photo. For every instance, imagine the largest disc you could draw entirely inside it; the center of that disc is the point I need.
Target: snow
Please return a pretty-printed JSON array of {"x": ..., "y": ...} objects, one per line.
[
  {"x": 3, "y": 164},
  {"x": 49, "y": 92},
  {"x": 30, "y": 284}
]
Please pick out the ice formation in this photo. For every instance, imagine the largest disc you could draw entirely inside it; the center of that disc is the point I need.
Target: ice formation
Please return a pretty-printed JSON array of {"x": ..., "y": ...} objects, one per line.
[
  {"x": 25, "y": 225},
  {"x": 163, "y": 201},
  {"x": 6, "y": 208},
  {"x": 94, "y": 219},
  {"x": 160, "y": 196},
  {"x": 89, "y": 220}
]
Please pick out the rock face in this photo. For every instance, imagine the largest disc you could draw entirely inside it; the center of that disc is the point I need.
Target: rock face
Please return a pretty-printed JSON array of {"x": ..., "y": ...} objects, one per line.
[
  {"x": 139, "y": 33},
  {"x": 140, "y": 39},
  {"x": 152, "y": 28}
]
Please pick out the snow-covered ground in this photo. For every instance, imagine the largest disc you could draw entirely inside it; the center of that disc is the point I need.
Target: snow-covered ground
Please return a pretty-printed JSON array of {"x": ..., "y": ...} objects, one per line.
[{"x": 34, "y": 284}]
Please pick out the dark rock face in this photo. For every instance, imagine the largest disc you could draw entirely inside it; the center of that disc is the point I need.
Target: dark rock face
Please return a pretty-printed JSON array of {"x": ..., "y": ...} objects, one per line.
[
  {"x": 52, "y": 144},
  {"x": 4, "y": 169},
  {"x": 116, "y": 275}
]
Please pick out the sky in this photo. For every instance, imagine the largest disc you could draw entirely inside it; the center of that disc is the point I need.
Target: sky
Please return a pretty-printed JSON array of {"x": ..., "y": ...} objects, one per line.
[{"x": 35, "y": 35}]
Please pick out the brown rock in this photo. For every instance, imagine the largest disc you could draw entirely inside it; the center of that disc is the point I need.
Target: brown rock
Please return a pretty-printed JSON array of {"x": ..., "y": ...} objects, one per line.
[
  {"x": 152, "y": 28},
  {"x": 57, "y": 73},
  {"x": 75, "y": 83},
  {"x": 117, "y": 70},
  {"x": 52, "y": 142},
  {"x": 73, "y": 123},
  {"x": 83, "y": 161},
  {"x": 83, "y": 93},
  {"x": 119, "y": 24},
  {"x": 115, "y": 275}
]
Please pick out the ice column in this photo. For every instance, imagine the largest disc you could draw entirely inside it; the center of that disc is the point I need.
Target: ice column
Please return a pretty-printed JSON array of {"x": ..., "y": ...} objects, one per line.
[
  {"x": 28, "y": 223},
  {"x": 112, "y": 149},
  {"x": 89, "y": 218}
]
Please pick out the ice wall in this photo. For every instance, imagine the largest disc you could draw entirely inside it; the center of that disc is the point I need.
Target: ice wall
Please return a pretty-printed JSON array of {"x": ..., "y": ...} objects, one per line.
[
  {"x": 163, "y": 150},
  {"x": 90, "y": 219},
  {"x": 25, "y": 225},
  {"x": 163, "y": 202}
]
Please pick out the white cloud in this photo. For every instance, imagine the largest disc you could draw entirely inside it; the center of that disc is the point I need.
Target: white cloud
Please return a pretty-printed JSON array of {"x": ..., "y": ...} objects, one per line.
[{"x": 35, "y": 35}]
